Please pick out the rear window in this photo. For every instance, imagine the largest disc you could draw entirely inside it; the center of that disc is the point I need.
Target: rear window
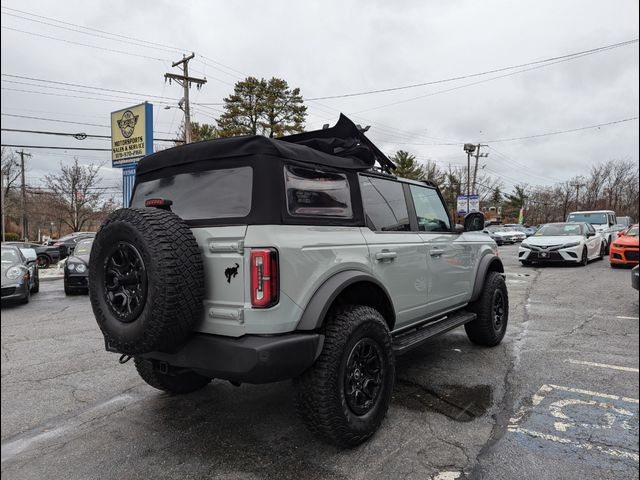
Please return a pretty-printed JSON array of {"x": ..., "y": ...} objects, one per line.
[
  {"x": 223, "y": 193},
  {"x": 313, "y": 192}
]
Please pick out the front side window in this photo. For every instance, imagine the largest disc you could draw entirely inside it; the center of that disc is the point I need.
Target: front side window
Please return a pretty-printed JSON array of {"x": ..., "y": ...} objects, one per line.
[
  {"x": 432, "y": 216},
  {"x": 312, "y": 192},
  {"x": 222, "y": 193},
  {"x": 384, "y": 204}
]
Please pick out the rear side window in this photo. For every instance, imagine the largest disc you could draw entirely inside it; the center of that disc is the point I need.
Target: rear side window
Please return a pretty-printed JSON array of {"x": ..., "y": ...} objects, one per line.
[
  {"x": 384, "y": 204},
  {"x": 223, "y": 193},
  {"x": 312, "y": 192}
]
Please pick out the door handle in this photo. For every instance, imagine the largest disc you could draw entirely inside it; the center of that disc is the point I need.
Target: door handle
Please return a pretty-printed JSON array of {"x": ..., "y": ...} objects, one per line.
[
  {"x": 386, "y": 255},
  {"x": 436, "y": 252}
]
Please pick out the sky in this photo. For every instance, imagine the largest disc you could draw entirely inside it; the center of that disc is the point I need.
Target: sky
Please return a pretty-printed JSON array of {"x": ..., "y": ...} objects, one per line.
[{"x": 336, "y": 48}]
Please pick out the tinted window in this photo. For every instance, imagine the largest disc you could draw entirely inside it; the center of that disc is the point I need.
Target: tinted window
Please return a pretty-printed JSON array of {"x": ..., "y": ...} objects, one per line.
[
  {"x": 220, "y": 193},
  {"x": 384, "y": 204},
  {"x": 314, "y": 193},
  {"x": 432, "y": 217}
]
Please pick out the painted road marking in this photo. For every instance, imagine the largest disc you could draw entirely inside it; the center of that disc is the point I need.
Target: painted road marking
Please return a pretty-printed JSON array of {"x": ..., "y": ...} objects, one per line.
[
  {"x": 576, "y": 418},
  {"x": 614, "y": 452},
  {"x": 627, "y": 318},
  {"x": 604, "y": 365}
]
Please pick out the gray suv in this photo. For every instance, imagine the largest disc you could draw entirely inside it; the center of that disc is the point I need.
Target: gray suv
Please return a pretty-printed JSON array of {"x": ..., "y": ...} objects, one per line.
[{"x": 257, "y": 260}]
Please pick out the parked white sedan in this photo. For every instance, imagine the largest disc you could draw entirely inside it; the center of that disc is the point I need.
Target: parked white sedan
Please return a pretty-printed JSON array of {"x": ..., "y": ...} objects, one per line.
[{"x": 562, "y": 242}]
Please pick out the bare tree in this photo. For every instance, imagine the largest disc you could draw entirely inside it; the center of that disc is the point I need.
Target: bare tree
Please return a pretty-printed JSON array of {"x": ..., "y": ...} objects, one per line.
[
  {"x": 77, "y": 188},
  {"x": 10, "y": 170}
]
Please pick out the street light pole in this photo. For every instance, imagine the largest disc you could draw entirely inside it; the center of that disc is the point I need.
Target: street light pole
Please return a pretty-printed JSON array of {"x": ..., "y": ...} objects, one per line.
[{"x": 469, "y": 148}]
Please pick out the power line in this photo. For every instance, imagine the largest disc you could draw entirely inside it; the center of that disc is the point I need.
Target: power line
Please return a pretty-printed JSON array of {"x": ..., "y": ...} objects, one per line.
[
  {"x": 157, "y": 46},
  {"x": 487, "y": 72},
  {"x": 78, "y": 136},
  {"x": 65, "y": 121},
  {"x": 55, "y": 148},
  {"x": 146, "y": 95},
  {"x": 563, "y": 131},
  {"x": 121, "y": 52}
]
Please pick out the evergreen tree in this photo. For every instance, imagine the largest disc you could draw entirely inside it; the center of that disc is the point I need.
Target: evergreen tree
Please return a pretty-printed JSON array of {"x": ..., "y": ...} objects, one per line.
[{"x": 407, "y": 166}]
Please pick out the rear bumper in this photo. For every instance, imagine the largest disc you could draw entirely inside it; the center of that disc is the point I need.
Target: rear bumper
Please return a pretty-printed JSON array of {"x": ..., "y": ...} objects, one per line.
[{"x": 248, "y": 359}]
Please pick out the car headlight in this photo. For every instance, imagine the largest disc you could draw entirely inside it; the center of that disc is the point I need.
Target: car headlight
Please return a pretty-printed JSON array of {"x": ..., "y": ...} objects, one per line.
[
  {"x": 71, "y": 266},
  {"x": 14, "y": 272},
  {"x": 525, "y": 245},
  {"x": 572, "y": 244},
  {"x": 81, "y": 268}
]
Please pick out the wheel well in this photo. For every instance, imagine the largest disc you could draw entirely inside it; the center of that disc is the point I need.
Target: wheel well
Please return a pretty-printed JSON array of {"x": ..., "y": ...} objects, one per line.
[
  {"x": 369, "y": 294},
  {"x": 496, "y": 266}
]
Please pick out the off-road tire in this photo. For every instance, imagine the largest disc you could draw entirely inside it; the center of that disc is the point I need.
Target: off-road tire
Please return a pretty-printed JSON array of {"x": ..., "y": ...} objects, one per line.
[
  {"x": 171, "y": 299},
  {"x": 483, "y": 330},
  {"x": 321, "y": 398},
  {"x": 176, "y": 383}
]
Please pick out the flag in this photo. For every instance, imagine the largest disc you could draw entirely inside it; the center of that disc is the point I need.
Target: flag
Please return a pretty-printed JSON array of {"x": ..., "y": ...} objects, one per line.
[{"x": 521, "y": 217}]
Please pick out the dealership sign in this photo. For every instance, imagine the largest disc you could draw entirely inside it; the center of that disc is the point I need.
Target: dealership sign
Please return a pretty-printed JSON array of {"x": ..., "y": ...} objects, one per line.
[
  {"x": 131, "y": 135},
  {"x": 474, "y": 204}
]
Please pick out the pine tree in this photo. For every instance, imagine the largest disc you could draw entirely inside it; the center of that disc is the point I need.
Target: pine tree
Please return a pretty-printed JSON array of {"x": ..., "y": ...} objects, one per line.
[{"x": 407, "y": 166}]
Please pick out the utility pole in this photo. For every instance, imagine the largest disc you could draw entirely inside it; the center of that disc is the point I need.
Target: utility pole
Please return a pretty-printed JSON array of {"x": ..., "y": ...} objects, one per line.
[
  {"x": 2, "y": 193},
  {"x": 469, "y": 148},
  {"x": 23, "y": 201},
  {"x": 475, "y": 170},
  {"x": 185, "y": 80},
  {"x": 578, "y": 185}
]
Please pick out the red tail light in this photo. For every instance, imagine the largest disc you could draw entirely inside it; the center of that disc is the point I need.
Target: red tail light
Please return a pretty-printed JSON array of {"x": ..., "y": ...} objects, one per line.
[{"x": 264, "y": 277}]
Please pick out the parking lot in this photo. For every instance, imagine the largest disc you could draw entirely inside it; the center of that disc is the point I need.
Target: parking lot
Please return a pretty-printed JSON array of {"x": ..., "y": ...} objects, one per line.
[{"x": 557, "y": 399}]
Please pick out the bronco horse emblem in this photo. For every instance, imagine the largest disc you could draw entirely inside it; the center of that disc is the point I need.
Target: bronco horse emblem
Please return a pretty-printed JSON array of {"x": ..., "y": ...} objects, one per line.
[{"x": 231, "y": 272}]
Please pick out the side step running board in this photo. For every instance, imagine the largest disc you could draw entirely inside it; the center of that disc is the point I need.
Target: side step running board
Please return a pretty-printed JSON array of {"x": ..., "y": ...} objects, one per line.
[{"x": 414, "y": 338}]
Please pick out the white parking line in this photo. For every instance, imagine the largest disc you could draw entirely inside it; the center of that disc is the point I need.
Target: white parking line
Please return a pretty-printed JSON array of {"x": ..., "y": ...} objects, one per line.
[
  {"x": 604, "y": 365},
  {"x": 595, "y": 394},
  {"x": 627, "y": 318},
  {"x": 614, "y": 452}
]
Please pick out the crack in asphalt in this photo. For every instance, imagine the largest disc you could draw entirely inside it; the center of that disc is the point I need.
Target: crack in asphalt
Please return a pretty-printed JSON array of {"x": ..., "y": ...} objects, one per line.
[{"x": 508, "y": 401}]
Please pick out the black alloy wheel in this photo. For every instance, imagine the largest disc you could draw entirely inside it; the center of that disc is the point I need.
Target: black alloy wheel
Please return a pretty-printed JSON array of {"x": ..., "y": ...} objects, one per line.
[
  {"x": 125, "y": 281},
  {"x": 43, "y": 261},
  {"x": 498, "y": 310},
  {"x": 585, "y": 259},
  {"x": 364, "y": 374}
]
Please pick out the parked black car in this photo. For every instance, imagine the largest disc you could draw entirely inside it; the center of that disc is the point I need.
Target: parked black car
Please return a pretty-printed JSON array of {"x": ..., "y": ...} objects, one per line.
[
  {"x": 76, "y": 270},
  {"x": 68, "y": 243},
  {"x": 46, "y": 254},
  {"x": 19, "y": 275}
]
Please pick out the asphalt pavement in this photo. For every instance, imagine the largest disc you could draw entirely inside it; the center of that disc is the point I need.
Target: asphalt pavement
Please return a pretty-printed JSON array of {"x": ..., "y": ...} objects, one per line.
[{"x": 558, "y": 399}]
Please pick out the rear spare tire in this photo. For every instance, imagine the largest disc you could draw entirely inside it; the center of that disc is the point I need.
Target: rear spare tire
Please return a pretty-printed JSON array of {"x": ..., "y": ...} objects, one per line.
[{"x": 147, "y": 280}]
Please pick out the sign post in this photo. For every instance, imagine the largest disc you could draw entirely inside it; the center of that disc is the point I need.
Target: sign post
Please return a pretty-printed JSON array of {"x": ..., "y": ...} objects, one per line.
[
  {"x": 131, "y": 140},
  {"x": 468, "y": 203}
]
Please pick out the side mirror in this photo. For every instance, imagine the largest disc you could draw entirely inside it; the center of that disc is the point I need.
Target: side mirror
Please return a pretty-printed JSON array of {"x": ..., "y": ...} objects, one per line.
[
  {"x": 590, "y": 234},
  {"x": 473, "y": 222},
  {"x": 621, "y": 234}
]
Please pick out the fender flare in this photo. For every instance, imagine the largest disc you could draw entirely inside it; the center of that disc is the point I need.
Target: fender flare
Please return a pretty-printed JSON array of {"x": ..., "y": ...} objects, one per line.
[
  {"x": 487, "y": 262},
  {"x": 317, "y": 308}
]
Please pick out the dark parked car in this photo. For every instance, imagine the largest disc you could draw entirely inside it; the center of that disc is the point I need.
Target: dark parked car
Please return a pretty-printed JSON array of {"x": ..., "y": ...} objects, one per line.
[
  {"x": 19, "y": 274},
  {"x": 46, "y": 254},
  {"x": 68, "y": 243},
  {"x": 76, "y": 270}
]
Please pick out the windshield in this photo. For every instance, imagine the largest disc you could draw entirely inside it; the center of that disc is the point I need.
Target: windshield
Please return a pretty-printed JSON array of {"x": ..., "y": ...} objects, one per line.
[
  {"x": 83, "y": 247},
  {"x": 632, "y": 232},
  {"x": 10, "y": 256},
  {"x": 560, "y": 229},
  {"x": 597, "y": 218}
]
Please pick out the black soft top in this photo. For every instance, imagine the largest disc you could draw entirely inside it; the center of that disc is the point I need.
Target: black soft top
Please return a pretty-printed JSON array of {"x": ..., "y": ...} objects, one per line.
[{"x": 343, "y": 146}]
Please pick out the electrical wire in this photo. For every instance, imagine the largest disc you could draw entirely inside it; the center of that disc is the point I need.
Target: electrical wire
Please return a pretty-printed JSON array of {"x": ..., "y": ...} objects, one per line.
[
  {"x": 477, "y": 74},
  {"x": 77, "y": 136}
]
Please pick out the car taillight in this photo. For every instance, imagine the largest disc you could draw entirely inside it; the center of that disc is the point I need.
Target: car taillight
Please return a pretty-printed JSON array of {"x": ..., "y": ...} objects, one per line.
[{"x": 264, "y": 277}]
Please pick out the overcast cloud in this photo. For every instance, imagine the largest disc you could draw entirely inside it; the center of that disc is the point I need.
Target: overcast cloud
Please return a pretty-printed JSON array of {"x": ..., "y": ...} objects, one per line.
[{"x": 338, "y": 47}]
